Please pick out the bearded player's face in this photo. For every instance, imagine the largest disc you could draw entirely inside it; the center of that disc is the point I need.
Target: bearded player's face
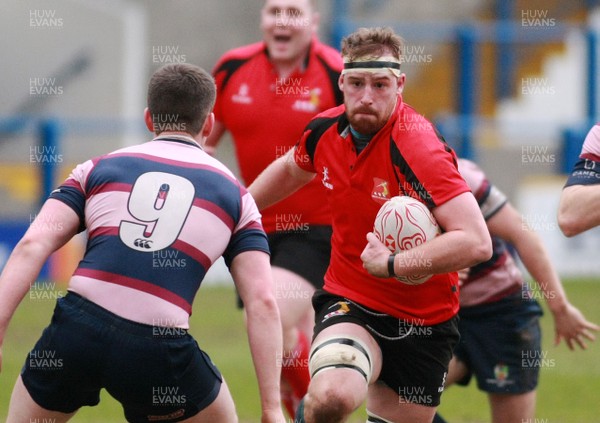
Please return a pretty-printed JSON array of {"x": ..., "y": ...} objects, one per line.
[
  {"x": 288, "y": 27},
  {"x": 370, "y": 98}
]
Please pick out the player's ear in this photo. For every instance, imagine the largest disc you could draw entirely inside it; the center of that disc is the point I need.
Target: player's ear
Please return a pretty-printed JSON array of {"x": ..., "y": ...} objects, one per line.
[
  {"x": 208, "y": 126},
  {"x": 341, "y": 82},
  {"x": 401, "y": 81},
  {"x": 316, "y": 21},
  {"x": 148, "y": 120}
]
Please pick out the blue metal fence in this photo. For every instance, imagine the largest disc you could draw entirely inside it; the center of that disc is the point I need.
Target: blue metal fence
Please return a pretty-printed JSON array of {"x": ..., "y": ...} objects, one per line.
[{"x": 507, "y": 34}]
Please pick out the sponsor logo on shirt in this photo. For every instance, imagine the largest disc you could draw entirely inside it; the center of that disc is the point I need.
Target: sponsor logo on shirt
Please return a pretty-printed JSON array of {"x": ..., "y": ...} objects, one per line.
[
  {"x": 325, "y": 178},
  {"x": 310, "y": 105},
  {"x": 242, "y": 96},
  {"x": 589, "y": 164}
]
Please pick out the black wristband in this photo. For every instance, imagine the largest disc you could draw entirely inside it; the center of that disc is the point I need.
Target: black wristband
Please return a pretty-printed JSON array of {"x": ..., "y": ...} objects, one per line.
[{"x": 390, "y": 263}]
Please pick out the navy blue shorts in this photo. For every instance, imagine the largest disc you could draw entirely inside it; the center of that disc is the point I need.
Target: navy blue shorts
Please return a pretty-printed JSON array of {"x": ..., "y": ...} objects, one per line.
[
  {"x": 156, "y": 373},
  {"x": 415, "y": 358},
  {"x": 501, "y": 345}
]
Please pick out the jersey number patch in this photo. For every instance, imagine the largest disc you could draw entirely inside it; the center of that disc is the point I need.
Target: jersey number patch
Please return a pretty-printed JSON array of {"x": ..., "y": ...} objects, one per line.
[{"x": 160, "y": 203}]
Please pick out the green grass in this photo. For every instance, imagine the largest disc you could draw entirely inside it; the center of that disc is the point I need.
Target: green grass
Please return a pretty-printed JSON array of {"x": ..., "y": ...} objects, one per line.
[
  {"x": 568, "y": 390},
  {"x": 569, "y": 384}
]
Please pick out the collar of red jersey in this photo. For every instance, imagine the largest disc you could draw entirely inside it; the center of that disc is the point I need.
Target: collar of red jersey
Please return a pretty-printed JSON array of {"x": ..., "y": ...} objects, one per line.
[{"x": 179, "y": 138}]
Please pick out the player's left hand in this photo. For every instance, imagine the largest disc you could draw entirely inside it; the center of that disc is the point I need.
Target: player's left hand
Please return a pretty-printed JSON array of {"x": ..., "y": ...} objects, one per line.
[
  {"x": 375, "y": 256},
  {"x": 571, "y": 325}
]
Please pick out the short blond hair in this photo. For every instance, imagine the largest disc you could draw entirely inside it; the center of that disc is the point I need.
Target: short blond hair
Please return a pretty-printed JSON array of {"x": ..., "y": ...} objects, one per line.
[{"x": 372, "y": 42}]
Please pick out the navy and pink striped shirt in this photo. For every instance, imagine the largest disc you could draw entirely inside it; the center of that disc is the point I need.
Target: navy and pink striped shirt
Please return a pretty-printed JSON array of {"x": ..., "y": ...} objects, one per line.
[
  {"x": 587, "y": 169},
  {"x": 499, "y": 276},
  {"x": 157, "y": 216}
]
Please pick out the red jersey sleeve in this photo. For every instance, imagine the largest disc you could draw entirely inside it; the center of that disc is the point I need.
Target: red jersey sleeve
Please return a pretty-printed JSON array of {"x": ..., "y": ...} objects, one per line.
[
  {"x": 301, "y": 156},
  {"x": 227, "y": 65},
  {"x": 305, "y": 148},
  {"x": 420, "y": 139}
]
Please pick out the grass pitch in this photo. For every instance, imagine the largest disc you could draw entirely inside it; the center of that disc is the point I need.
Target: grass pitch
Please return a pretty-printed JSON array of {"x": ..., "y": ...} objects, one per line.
[{"x": 568, "y": 391}]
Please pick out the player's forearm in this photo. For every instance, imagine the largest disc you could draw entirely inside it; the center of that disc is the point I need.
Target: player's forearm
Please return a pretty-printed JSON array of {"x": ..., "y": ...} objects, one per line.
[
  {"x": 465, "y": 242},
  {"x": 579, "y": 209},
  {"x": 449, "y": 252},
  {"x": 535, "y": 258},
  {"x": 20, "y": 272},
  {"x": 54, "y": 225},
  {"x": 251, "y": 272},
  {"x": 265, "y": 339}
]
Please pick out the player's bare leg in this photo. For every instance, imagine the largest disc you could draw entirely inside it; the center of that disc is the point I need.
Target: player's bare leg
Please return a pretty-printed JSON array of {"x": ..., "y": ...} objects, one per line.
[
  {"x": 221, "y": 410},
  {"x": 293, "y": 295},
  {"x": 386, "y": 404},
  {"x": 456, "y": 371},
  {"x": 336, "y": 392},
  {"x": 508, "y": 408},
  {"x": 23, "y": 409},
  {"x": 505, "y": 408}
]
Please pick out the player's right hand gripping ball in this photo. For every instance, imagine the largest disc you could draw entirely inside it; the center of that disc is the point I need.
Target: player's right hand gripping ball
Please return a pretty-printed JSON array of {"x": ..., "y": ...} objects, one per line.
[{"x": 403, "y": 223}]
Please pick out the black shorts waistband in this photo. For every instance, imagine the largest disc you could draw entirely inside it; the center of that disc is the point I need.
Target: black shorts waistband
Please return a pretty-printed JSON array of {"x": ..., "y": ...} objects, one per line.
[{"x": 129, "y": 326}]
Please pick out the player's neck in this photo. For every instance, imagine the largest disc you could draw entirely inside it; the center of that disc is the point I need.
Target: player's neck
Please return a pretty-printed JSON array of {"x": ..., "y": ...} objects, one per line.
[
  {"x": 181, "y": 135},
  {"x": 285, "y": 68}
]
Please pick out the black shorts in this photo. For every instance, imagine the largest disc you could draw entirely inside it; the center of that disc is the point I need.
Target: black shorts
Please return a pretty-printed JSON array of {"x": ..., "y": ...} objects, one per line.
[
  {"x": 501, "y": 345},
  {"x": 415, "y": 358},
  {"x": 156, "y": 373},
  {"x": 305, "y": 253}
]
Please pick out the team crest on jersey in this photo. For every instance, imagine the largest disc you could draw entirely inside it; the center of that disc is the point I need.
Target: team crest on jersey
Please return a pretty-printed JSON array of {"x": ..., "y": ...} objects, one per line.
[
  {"x": 242, "y": 96},
  {"x": 311, "y": 105},
  {"x": 381, "y": 190}
]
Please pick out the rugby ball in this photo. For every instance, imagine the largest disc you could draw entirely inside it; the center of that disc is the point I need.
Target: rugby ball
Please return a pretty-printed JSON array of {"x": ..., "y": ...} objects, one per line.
[{"x": 403, "y": 223}]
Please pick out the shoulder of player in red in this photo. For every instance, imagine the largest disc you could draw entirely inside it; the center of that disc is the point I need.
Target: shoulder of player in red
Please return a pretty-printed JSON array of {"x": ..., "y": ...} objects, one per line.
[
  {"x": 330, "y": 57},
  {"x": 232, "y": 60},
  {"x": 319, "y": 124},
  {"x": 235, "y": 58},
  {"x": 239, "y": 53}
]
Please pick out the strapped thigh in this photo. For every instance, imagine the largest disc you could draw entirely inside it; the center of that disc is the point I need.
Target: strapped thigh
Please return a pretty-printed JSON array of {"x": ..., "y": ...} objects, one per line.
[{"x": 341, "y": 352}]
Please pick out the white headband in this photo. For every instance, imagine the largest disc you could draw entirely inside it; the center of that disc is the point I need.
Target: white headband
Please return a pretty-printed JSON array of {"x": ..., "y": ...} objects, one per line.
[{"x": 372, "y": 64}]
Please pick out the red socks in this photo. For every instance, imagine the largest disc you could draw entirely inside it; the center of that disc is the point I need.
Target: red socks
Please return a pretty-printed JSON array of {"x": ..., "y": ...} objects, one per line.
[{"x": 294, "y": 371}]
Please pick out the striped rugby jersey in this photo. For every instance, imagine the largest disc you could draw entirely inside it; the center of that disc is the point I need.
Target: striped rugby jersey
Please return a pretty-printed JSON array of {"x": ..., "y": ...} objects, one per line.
[
  {"x": 499, "y": 276},
  {"x": 157, "y": 216},
  {"x": 586, "y": 170}
]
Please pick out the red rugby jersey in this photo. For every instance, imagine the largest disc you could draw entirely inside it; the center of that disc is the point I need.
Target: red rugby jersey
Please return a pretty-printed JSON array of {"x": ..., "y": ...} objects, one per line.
[
  {"x": 406, "y": 157},
  {"x": 266, "y": 115}
]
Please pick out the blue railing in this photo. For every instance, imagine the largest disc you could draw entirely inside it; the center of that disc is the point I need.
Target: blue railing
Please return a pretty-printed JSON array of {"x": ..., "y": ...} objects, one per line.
[{"x": 506, "y": 33}]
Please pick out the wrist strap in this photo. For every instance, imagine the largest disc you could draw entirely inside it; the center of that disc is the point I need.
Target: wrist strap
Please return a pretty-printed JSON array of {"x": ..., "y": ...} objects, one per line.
[{"x": 390, "y": 265}]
